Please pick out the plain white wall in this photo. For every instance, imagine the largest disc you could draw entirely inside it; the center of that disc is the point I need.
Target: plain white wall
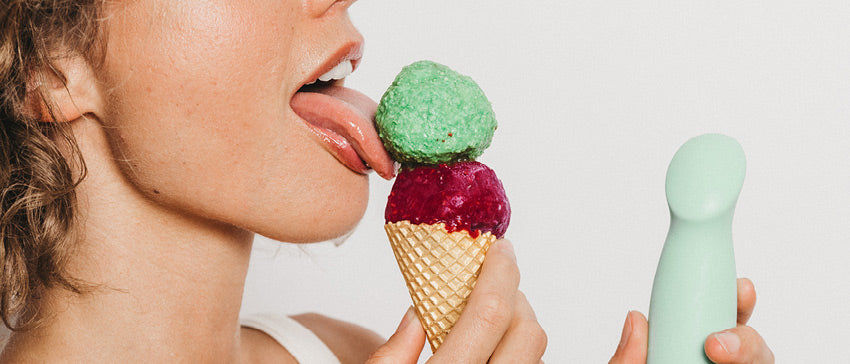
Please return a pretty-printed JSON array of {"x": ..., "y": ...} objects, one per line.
[{"x": 593, "y": 98}]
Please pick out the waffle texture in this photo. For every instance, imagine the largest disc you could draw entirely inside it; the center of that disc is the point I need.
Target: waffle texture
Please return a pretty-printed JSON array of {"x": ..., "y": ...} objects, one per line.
[{"x": 440, "y": 269}]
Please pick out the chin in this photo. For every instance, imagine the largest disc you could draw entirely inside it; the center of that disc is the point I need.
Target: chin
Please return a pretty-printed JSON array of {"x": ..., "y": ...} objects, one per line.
[{"x": 332, "y": 217}]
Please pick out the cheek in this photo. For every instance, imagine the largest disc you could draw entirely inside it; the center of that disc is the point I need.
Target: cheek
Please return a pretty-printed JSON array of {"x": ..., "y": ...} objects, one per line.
[
  {"x": 181, "y": 89},
  {"x": 197, "y": 121},
  {"x": 209, "y": 62}
]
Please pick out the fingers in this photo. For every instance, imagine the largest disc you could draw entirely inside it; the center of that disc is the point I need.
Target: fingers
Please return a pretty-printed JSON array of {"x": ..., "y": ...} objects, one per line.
[
  {"x": 489, "y": 311},
  {"x": 404, "y": 346},
  {"x": 525, "y": 341},
  {"x": 746, "y": 300},
  {"x": 633, "y": 341},
  {"x": 741, "y": 345}
]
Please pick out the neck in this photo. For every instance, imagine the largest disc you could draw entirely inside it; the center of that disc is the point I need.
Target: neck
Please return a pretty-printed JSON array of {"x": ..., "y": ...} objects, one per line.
[{"x": 165, "y": 286}]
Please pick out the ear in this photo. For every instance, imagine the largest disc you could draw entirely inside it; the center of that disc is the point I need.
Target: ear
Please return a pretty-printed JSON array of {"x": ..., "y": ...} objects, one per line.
[{"x": 64, "y": 92}]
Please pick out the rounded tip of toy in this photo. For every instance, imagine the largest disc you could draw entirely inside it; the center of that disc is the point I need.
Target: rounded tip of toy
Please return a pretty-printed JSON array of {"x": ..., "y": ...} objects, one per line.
[{"x": 705, "y": 177}]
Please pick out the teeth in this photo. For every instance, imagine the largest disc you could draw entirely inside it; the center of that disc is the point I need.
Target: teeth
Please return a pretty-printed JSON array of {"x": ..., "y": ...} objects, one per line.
[{"x": 340, "y": 71}]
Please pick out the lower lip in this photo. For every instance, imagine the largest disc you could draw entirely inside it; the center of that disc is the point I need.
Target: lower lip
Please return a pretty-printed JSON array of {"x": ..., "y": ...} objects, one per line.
[{"x": 340, "y": 148}]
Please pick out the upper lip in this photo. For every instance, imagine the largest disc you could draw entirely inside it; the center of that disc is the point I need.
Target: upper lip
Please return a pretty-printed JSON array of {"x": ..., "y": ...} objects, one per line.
[{"x": 351, "y": 51}]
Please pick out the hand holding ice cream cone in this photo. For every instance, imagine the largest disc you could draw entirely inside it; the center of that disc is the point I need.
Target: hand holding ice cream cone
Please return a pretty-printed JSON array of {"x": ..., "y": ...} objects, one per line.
[
  {"x": 497, "y": 323},
  {"x": 446, "y": 209}
]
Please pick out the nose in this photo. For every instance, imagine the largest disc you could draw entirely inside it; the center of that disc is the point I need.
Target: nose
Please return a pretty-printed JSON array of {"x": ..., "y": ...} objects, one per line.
[{"x": 318, "y": 8}]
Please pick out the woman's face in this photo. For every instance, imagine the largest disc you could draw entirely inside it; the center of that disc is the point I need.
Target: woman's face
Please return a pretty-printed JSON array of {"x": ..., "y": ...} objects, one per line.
[{"x": 203, "y": 113}]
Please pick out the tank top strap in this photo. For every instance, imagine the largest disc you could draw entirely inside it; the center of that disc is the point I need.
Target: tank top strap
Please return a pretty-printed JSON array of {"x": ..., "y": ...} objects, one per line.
[{"x": 302, "y": 343}]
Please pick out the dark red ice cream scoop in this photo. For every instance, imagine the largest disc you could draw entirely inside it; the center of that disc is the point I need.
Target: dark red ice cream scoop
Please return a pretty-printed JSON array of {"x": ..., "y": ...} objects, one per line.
[{"x": 465, "y": 196}]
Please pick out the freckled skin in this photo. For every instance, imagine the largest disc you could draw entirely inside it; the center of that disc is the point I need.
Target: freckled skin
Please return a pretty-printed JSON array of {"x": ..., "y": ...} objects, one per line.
[
  {"x": 465, "y": 196},
  {"x": 198, "y": 109}
]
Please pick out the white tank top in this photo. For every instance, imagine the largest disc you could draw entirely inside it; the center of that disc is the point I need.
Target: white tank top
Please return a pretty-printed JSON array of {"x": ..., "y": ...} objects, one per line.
[{"x": 302, "y": 343}]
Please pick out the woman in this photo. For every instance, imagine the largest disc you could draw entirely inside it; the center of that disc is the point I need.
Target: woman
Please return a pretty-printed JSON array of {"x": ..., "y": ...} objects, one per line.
[{"x": 145, "y": 142}]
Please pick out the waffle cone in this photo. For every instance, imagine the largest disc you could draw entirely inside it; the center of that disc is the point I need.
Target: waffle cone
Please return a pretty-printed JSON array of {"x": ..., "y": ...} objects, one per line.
[{"x": 440, "y": 269}]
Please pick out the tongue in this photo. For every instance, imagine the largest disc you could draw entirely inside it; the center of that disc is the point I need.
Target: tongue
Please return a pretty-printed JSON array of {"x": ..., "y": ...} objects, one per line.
[{"x": 348, "y": 113}]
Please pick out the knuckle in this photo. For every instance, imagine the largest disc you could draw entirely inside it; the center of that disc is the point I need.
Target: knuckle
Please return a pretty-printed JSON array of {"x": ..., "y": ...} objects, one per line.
[
  {"x": 381, "y": 356},
  {"x": 542, "y": 336},
  {"x": 538, "y": 338},
  {"x": 513, "y": 270},
  {"x": 505, "y": 264},
  {"x": 754, "y": 347},
  {"x": 494, "y": 311},
  {"x": 524, "y": 307},
  {"x": 520, "y": 295},
  {"x": 765, "y": 355},
  {"x": 768, "y": 357}
]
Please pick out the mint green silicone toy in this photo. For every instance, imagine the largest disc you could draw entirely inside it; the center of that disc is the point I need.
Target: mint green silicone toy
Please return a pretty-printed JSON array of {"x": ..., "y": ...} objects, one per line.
[{"x": 695, "y": 289}]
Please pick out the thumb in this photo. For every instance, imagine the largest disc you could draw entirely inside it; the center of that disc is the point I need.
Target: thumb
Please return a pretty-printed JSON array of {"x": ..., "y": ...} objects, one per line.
[
  {"x": 633, "y": 341},
  {"x": 404, "y": 346},
  {"x": 739, "y": 345}
]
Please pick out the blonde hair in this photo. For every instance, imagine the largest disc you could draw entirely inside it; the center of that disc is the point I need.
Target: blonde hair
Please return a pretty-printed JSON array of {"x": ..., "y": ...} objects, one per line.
[{"x": 37, "y": 181}]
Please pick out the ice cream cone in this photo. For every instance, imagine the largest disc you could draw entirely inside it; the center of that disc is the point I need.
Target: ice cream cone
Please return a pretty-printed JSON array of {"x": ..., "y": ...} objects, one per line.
[{"x": 440, "y": 269}]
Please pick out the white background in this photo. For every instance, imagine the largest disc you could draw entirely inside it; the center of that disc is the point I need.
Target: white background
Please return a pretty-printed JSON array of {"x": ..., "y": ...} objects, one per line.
[{"x": 593, "y": 98}]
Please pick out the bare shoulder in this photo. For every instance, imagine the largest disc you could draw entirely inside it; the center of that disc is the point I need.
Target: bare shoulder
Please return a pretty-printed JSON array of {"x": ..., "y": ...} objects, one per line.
[{"x": 349, "y": 342}]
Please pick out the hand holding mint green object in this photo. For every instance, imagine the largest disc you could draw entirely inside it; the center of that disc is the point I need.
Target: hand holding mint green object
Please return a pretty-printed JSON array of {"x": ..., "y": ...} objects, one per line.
[{"x": 695, "y": 291}]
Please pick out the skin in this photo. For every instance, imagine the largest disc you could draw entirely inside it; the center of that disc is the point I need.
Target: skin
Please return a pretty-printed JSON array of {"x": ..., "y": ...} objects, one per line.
[
  {"x": 720, "y": 347},
  {"x": 198, "y": 103},
  {"x": 498, "y": 324},
  {"x": 191, "y": 148}
]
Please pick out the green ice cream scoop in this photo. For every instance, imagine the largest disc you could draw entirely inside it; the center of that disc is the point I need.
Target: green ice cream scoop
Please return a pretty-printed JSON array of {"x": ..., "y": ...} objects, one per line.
[{"x": 433, "y": 115}]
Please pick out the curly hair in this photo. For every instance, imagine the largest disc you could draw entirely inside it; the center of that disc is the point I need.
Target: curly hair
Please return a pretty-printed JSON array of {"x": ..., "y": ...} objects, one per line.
[{"x": 40, "y": 164}]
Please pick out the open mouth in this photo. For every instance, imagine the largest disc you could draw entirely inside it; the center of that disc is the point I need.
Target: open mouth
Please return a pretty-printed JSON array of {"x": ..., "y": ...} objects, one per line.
[
  {"x": 342, "y": 118},
  {"x": 336, "y": 75}
]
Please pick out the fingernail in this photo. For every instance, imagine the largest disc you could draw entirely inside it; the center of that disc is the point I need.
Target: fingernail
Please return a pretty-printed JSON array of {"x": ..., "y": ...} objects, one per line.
[
  {"x": 729, "y": 341},
  {"x": 408, "y": 318},
  {"x": 627, "y": 331}
]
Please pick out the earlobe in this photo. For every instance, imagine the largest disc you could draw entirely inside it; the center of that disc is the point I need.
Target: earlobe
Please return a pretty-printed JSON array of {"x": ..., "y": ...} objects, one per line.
[{"x": 64, "y": 92}]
